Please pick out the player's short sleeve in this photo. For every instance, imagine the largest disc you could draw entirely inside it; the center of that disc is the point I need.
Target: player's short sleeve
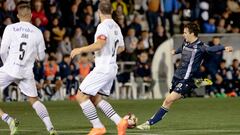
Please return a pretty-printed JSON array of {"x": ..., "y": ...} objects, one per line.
[
  {"x": 121, "y": 43},
  {"x": 6, "y": 36},
  {"x": 101, "y": 32},
  {"x": 5, "y": 43},
  {"x": 41, "y": 47}
]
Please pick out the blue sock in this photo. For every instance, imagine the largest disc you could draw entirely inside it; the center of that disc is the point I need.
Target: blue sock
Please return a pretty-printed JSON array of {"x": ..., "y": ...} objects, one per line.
[{"x": 158, "y": 116}]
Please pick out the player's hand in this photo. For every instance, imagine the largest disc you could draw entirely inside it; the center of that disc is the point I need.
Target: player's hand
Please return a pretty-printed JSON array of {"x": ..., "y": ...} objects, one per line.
[
  {"x": 75, "y": 52},
  {"x": 173, "y": 52},
  {"x": 228, "y": 48}
]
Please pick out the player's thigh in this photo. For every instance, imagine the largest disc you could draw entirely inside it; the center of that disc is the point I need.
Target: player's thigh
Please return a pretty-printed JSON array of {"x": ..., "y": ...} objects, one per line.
[
  {"x": 94, "y": 82},
  {"x": 28, "y": 87},
  {"x": 5, "y": 80}
]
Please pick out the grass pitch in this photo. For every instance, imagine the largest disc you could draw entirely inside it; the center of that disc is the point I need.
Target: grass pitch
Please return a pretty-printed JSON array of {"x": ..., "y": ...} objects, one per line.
[{"x": 192, "y": 116}]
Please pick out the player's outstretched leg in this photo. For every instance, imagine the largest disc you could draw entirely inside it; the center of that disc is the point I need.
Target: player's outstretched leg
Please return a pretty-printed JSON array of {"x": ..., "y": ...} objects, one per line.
[
  {"x": 90, "y": 112},
  {"x": 108, "y": 110},
  {"x": 159, "y": 115},
  {"x": 42, "y": 112},
  {"x": 13, "y": 123}
]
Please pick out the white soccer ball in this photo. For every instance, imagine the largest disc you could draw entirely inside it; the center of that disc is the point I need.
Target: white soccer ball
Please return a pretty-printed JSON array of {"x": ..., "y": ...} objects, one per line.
[{"x": 132, "y": 120}]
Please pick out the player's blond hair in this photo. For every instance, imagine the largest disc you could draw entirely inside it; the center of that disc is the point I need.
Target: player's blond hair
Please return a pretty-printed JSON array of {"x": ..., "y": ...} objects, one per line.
[
  {"x": 105, "y": 7},
  {"x": 24, "y": 9}
]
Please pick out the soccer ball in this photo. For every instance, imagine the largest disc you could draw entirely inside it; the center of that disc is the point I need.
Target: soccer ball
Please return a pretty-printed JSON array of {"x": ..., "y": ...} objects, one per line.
[{"x": 132, "y": 120}]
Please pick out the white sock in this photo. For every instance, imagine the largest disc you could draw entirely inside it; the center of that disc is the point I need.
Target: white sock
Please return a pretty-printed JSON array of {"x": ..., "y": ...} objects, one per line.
[
  {"x": 6, "y": 118},
  {"x": 90, "y": 112},
  {"x": 42, "y": 112},
  {"x": 108, "y": 110}
]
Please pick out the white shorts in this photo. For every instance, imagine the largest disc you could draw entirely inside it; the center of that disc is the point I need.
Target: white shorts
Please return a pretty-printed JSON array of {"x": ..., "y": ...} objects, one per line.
[
  {"x": 27, "y": 86},
  {"x": 98, "y": 82}
]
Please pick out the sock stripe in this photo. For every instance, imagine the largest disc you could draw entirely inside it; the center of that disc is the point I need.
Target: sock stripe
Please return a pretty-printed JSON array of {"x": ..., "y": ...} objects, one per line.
[
  {"x": 90, "y": 112},
  {"x": 6, "y": 118},
  {"x": 110, "y": 113},
  {"x": 107, "y": 109},
  {"x": 42, "y": 115},
  {"x": 164, "y": 108}
]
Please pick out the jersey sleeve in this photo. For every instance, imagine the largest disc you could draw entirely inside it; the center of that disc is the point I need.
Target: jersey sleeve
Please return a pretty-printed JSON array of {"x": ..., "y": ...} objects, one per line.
[
  {"x": 121, "y": 43},
  {"x": 213, "y": 49},
  {"x": 101, "y": 33},
  {"x": 5, "y": 44},
  {"x": 41, "y": 48}
]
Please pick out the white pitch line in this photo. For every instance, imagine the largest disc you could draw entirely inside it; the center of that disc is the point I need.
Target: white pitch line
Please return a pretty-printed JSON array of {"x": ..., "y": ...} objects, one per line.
[
  {"x": 82, "y": 131},
  {"x": 137, "y": 131}
]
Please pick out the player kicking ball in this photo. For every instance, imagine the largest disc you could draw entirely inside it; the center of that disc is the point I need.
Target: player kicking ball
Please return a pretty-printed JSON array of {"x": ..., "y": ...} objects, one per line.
[
  {"x": 108, "y": 42},
  {"x": 21, "y": 44},
  {"x": 192, "y": 51}
]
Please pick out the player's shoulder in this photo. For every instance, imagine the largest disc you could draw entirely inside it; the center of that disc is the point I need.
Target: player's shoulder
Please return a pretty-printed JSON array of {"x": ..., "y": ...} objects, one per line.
[
  {"x": 9, "y": 27},
  {"x": 36, "y": 29},
  {"x": 200, "y": 43}
]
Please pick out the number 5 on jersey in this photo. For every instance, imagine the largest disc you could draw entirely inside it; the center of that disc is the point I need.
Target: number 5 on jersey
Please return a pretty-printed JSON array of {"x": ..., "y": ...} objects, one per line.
[{"x": 21, "y": 49}]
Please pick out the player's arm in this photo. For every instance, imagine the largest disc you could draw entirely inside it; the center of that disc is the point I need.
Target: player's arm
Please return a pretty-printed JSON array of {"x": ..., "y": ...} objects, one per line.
[
  {"x": 5, "y": 44},
  {"x": 120, "y": 49},
  {"x": 179, "y": 50},
  {"x": 41, "y": 49},
  {"x": 121, "y": 46},
  {"x": 98, "y": 45},
  {"x": 218, "y": 48}
]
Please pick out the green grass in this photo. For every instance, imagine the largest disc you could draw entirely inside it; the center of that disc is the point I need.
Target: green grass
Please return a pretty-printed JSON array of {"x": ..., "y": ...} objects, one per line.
[{"x": 193, "y": 116}]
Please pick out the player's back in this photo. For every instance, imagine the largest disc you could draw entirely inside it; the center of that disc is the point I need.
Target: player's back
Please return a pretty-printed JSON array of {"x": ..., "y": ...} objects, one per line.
[
  {"x": 23, "y": 40},
  {"x": 108, "y": 54}
]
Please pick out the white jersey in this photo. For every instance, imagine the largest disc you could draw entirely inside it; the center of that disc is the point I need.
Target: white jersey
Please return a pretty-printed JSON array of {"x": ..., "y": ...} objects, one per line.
[
  {"x": 21, "y": 44},
  {"x": 112, "y": 32}
]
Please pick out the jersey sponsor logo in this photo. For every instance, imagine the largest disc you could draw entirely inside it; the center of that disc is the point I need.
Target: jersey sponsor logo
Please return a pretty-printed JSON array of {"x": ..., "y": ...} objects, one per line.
[
  {"x": 102, "y": 37},
  {"x": 22, "y": 29}
]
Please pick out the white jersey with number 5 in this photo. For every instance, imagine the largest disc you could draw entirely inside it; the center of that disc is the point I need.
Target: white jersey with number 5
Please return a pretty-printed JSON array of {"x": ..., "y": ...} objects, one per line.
[
  {"x": 21, "y": 44},
  {"x": 110, "y": 31}
]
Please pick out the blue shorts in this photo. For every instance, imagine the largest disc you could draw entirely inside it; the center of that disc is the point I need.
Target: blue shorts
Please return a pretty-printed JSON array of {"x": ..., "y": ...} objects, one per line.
[{"x": 182, "y": 86}]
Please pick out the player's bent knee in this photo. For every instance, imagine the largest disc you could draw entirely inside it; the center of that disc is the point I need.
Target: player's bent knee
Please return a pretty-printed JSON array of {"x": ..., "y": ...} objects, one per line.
[
  {"x": 81, "y": 97},
  {"x": 32, "y": 100},
  {"x": 96, "y": 99}
]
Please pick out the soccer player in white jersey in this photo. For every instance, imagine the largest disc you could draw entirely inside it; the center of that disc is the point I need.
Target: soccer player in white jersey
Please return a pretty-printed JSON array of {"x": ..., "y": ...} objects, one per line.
[
  {"x": 108, "y": 42},
  {"x": 21, "y": 44}
]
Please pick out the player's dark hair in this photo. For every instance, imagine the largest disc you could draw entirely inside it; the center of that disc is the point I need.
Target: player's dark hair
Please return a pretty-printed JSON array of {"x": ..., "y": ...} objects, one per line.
[
  {"x": 105, "y": 7},
  {"x": 193, "y": 28}
]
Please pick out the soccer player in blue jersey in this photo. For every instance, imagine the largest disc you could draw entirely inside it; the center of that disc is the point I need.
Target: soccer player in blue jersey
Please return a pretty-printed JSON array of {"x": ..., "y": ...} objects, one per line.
[{"x": 193, "y": 51}]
